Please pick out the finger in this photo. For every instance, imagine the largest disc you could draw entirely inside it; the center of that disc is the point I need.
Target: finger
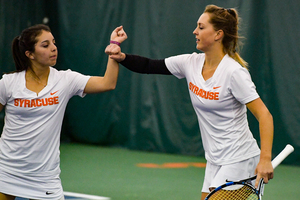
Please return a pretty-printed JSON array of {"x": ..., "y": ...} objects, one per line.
[
  {"x": 118, "y": 29},
  {"x": 266, "y": 180},
  {"x": 256, "y": 182},
  {"x": 112, "y": 49}
]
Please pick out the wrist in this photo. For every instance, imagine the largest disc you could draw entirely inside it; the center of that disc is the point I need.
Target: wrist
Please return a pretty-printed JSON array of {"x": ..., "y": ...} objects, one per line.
[
  {"x": 115, "y": 42},
  {"x": 123, "y": 56}
]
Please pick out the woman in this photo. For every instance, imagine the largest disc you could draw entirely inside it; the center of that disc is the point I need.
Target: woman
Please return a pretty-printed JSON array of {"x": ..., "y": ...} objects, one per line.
[
  {"x": 35, "y": 98},
  {"x": 221, "y": 90}
]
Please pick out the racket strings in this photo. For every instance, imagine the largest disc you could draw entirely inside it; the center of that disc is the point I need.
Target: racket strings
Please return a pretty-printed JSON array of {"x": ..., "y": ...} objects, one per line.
[{"x": 245, "y": 192}]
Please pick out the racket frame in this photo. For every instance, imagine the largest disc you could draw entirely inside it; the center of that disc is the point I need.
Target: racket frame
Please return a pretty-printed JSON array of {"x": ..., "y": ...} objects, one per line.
[
  {"x": 275, "y": 162},
  {"x": 246, "y": 182}
]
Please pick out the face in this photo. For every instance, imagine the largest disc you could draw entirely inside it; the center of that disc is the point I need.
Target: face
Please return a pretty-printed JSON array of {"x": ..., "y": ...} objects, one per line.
[
  {"x": 45, "y": 53},
  {"x": 205, "y": 33}
]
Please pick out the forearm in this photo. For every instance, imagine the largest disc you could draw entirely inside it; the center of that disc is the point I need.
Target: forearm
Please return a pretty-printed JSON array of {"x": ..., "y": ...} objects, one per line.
[
  {"x": 145, "y": 65},
  {"x": 111, "y": 74},
  {"x": 266, "y": 129},
  {"x": 97, "y": 84}
]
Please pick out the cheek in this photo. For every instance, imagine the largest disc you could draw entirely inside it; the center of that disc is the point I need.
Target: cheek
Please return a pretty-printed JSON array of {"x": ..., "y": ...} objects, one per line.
[
  {"x": 42, "y": 56},
  {"x": 207, "y": 38}
]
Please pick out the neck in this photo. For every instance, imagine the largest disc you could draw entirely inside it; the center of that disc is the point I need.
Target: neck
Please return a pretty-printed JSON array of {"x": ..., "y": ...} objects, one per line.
[
  {"x": 39, "y": 75},
  {"x": 212, "y": 60}
]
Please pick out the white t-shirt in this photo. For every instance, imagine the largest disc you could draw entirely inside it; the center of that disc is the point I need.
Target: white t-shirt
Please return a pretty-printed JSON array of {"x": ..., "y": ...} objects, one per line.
[
  {"x": 29, "y": 145},
  {"x": 219, "y": 103}
]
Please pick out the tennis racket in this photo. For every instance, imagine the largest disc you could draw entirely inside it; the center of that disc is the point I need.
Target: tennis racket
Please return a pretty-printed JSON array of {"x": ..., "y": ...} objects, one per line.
[{"x": 243, "y": 189}]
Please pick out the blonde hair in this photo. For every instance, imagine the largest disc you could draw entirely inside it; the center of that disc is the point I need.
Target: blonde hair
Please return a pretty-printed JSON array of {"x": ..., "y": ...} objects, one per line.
[{"x": 228, "y": 21}]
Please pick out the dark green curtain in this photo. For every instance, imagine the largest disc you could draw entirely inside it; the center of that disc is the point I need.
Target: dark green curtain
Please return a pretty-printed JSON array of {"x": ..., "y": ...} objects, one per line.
[{"x": 154, "y": 112}]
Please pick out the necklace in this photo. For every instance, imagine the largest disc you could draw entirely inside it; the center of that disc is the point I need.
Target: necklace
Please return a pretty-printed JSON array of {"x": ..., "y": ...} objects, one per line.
[{"x": 36, "y": 79}]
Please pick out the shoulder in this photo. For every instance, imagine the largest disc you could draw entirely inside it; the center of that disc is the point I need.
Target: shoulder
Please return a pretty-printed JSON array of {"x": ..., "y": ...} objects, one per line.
[
  {"x": 185, "y": 59},
  {"x": 64, "y": 73},
  {"x": 231, "y": 63},
  {"x": 188, "y": 56},
  {"x": 12, "y": 77},
  {"x": 233, "y": 67}
]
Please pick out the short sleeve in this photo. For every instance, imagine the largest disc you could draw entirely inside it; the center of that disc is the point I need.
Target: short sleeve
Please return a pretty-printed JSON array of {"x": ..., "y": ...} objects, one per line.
[
  {"x": 175, "y": 65},
  {"x": 77, "y": 82},
  {"x": 242, "y": 86},
  {"x": 3, "y": 90}
]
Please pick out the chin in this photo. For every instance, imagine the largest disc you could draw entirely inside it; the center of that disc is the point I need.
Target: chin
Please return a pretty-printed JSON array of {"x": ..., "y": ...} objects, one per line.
[
  {"x": 200, "y": 49},
  {"x": 53, "y": 64}
]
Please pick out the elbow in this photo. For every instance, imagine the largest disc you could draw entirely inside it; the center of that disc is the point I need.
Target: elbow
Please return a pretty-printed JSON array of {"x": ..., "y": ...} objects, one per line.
[
  {"x": 111, "y": 87},
  {"x": 270, "y": 117}
]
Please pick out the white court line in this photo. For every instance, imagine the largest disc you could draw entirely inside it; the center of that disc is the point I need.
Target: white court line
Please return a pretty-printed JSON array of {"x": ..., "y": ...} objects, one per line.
[{"x": 86, "y": 196}]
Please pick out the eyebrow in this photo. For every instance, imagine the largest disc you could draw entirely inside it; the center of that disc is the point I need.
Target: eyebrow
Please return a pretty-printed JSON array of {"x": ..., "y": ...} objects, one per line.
[{"x": 47, "y": 40}]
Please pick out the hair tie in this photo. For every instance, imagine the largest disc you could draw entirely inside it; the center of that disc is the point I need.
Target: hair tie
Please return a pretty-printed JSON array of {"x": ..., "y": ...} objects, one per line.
[{"x": 230, "y": 11}]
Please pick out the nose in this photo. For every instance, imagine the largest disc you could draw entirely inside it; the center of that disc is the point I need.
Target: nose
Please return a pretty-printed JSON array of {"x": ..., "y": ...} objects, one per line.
[
  {"x": 195, "y": 32},
  {"x": 54, "y": 47}
]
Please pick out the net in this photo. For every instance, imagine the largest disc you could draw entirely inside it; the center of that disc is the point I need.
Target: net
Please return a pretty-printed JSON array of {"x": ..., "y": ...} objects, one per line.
[{"x": 244, "y": 192}]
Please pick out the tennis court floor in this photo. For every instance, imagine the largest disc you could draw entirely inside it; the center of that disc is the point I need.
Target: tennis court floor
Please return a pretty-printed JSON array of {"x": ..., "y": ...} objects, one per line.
[{"x": 122, "y": 174}]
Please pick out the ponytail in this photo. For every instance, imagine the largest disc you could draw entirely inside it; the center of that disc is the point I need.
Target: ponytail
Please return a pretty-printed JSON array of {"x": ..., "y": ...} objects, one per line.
[
  {"x": 228, "y": 21},
  {"x": 236, "y": 56},
  {"x": 20, "y": 59}
]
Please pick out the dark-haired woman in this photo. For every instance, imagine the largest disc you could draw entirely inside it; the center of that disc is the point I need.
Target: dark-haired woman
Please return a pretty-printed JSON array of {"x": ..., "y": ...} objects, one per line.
[
  {"x": 35, "y": 98},
  {"x": 221, "y": 90}
]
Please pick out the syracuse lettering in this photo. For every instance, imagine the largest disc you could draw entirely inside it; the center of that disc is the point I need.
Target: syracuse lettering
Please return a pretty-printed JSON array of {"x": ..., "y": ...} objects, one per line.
[
  {"x": 36, "y": 102},
  {"x": 202, "y": 93}
]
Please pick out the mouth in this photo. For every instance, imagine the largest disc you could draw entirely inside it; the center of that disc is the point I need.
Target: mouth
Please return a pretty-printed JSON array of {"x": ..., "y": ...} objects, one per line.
[{"x": 53, "y": 57}]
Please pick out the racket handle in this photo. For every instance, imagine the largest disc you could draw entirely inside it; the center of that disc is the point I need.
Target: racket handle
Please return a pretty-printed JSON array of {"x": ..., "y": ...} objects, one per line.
[{"x": 282, "y": 155}]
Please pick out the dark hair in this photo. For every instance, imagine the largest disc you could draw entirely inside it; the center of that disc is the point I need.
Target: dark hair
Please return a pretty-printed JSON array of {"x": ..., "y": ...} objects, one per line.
[
  {"x": 26, "y": 42},
  {"x": 228, "y": 21}
]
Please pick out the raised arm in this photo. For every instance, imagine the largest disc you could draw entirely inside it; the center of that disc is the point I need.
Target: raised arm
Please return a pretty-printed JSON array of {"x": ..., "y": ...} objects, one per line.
[
  {"x": 137, "y": 63},
  {"x": 264, "y": 168},
  {"x": 97, "y": 84}
]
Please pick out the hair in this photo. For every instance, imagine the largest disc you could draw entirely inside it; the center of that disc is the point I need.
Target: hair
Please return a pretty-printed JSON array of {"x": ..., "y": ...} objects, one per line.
[
  {"x": 26, "y": 42},
  {"x": 228, "y": 21}
]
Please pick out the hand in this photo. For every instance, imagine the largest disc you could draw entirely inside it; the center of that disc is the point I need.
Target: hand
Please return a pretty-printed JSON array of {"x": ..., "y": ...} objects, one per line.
[
  {"x": 118, "y": 35},
  {"x": 114, "y": 52},
  {"x": 264, "y": 170}
]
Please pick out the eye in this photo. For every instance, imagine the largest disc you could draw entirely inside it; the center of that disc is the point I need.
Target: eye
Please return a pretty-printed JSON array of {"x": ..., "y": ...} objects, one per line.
[{"x": 200, "y": 26}]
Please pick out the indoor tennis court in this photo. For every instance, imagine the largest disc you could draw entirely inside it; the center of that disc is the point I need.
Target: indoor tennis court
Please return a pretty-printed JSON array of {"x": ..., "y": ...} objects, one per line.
[
  {"x": 141, "y": 141},
  {"x": 122, "y": 174},
  {"x": 94, "y": 172}
]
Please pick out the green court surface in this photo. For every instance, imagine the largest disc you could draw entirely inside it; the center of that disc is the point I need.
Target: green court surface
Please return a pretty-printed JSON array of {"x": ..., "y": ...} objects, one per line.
[{"x": 122, "y": 174}]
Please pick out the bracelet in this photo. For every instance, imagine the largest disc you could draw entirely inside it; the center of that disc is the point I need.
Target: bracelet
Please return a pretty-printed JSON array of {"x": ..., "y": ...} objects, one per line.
[{"x": 115, "y": 42}]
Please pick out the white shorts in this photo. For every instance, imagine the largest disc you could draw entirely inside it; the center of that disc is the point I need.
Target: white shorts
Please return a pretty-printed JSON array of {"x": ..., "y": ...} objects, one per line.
[{"x": 216, "y": 175}]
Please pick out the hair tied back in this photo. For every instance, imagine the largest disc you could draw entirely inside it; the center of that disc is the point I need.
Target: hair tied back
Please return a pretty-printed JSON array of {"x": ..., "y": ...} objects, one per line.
[{"x": 230, "y": 11}]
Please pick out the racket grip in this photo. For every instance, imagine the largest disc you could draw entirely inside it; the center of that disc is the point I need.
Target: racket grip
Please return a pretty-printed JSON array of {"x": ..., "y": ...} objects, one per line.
[{"x": 282, "y": 155}]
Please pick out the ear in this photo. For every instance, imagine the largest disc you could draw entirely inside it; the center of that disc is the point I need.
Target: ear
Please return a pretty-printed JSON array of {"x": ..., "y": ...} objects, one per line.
[
  {"x": 29, "y": 55},
  {"x": 219, "y": 35}
]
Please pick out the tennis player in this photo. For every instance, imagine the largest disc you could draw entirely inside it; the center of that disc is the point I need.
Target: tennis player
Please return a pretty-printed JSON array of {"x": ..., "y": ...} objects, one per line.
[
  {"x": 35, "y": 98},
  {"x": 221, "y": 90}
]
